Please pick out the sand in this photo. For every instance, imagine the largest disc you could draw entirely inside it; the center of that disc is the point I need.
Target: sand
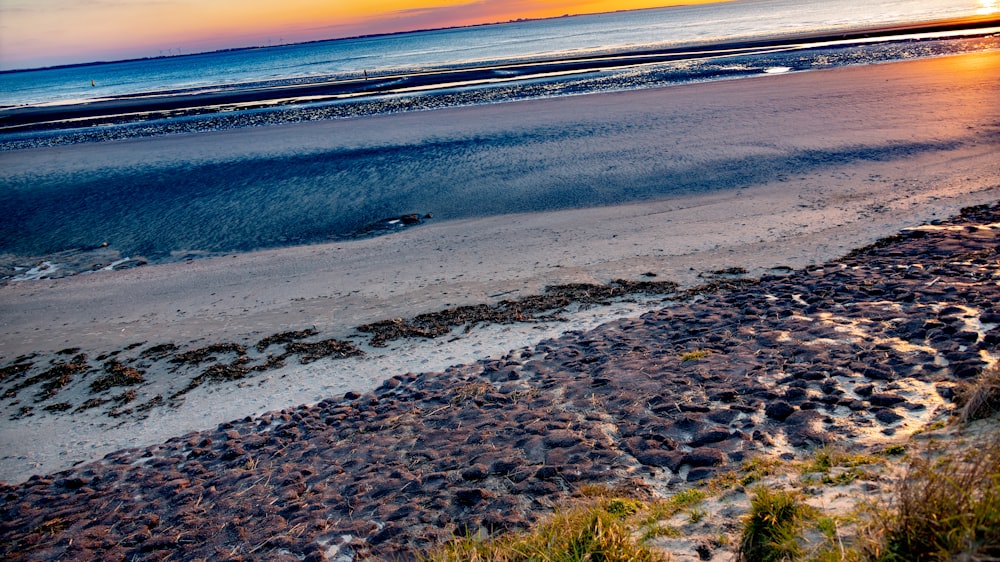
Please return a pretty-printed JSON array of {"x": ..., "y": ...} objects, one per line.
[
  {"x": 914, "y": 141},
  {"x": 859, "y": 355}
]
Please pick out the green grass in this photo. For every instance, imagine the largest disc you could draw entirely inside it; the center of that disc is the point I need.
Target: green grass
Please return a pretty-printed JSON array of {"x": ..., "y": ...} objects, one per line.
[
  {"x": 656, "y": 531},
  {"x": 751, "y": 471},
  {"x": 772, "y": 529},
  {"x": 892, "y": 450},
  {"x": 601, "y": 530},
  {"x": 694, "y": 355},
  {"x": 830, "y": 457}
]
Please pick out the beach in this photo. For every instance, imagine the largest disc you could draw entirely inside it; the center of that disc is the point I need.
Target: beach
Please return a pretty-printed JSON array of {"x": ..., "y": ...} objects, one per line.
[{"x": 774, "y": 175}]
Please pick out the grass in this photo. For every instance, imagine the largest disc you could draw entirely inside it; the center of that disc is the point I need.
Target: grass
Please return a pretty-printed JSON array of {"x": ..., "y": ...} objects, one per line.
[
  {"x": 694, "y": 355},
  {"x": 826, "y": 458},
  {"x": 893, "y": 450},
  {"x": 751, "y": 471},
  {"x": 981, "y": 399},
  {"x": 772, "y": 529},
  {"x": 945, "y": 509},
  {"x": 837, "y": 468},
  {"x": 602, "y": 529}
]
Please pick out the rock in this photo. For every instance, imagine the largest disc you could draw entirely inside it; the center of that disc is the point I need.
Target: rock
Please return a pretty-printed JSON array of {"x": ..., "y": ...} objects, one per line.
[
  {"x": 966, "y": 369},
  {"x": 504, "y": 467},
  {"x": 724, "y": 396},
  {"x": 701, "y": 473},
  {"x": 561, "y": 439},
  {"x": 885, "y": 399},
  {"x": 779, "y": 410},
  {"x": 546, "y": 472},
  {"x": 708, "y": 437},
  {"x": 704, "y": 456},
  {"x": 871, "y": 371},
  {"x": 795, "y": 395},
  {"x": 468, "y": 497},
  {"x": 887, "y": 416},
  {"x": 475, "y": 473},
  {"x": 723, "y": 416},
  {"x": 658, "y": 457}
]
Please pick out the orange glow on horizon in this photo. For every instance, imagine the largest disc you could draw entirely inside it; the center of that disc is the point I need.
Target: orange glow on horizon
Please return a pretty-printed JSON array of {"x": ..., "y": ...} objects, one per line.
[{"x": 60, "y": 31}]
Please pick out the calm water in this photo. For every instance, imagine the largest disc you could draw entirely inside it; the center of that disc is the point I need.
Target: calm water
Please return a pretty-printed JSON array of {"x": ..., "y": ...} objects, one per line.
[
  {"x": 463, "y": 47},
  {"x": 213, "y": 204}
]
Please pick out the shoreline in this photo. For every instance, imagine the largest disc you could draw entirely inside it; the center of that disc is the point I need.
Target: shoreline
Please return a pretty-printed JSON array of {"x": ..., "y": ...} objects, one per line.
[
  {"x": 533, "y": 156},
  {"x": 797, "y": 218},
  {"x": 204, "y": 101}
]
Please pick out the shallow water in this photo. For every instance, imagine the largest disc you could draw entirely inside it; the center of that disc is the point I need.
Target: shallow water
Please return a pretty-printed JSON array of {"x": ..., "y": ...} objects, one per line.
[
  {"x": 207, "y": 204},
  {"x": 552, "y": 39}
]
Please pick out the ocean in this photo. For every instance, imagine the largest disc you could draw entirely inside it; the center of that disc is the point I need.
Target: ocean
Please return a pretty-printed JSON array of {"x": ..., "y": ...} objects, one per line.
[
  {"x": 463, "y": 47},
  {"x": 47, "y": 214}
]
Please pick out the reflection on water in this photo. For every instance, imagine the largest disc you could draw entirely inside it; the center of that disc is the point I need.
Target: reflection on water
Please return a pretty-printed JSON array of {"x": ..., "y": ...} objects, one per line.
[{"x": 987, "y": 7}]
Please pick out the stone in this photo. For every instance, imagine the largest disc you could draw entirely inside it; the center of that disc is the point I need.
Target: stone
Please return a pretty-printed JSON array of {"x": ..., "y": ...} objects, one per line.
[
  {"x": 709, "y": 436},
  {"x": 704, "y": 456},
  {"x": 468, "y": 497},
  {"x": 700, "y": 473},
  {"x": 658, "y": 457},
  {"x": 723, "y": 416},
  {"x": 475, "y": 473},
  {"x": 885, "y": 399},
  {"x": 779, "y": 410},
  {"x": 887, "y": 416}
]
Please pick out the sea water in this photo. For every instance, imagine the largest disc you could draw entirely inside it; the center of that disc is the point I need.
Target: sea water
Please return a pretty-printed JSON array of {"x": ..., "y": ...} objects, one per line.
[
  {"x": 469, "y": 46},
  {"x": 72, "y": 220}
]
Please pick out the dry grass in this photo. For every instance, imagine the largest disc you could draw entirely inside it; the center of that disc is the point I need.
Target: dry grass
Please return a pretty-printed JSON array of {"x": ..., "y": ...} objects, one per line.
[
  {"x": 602, "y": 529},
  {"x": 946, "y": 508},
  {"x": 982, "y": 399}
]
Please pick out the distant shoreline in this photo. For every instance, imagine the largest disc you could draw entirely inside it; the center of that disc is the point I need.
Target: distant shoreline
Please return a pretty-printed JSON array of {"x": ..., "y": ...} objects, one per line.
[
  {"x": 201, "y": 101},
  {"x": 955, "y": 23}
]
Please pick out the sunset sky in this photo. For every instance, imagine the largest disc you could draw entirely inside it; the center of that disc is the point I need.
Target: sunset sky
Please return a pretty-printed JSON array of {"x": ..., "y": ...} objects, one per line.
[{"x": 37, "y": 33}]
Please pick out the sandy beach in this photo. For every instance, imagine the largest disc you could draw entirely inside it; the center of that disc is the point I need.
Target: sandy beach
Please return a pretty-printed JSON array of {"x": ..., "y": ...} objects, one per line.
[
  {"x": 894, "y": 146},
  {"x": 777, "y": 174}
]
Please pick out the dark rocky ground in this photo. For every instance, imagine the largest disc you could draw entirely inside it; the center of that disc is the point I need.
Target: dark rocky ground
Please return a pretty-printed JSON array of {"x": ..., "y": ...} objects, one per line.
[{"x": 866, "y": 347}]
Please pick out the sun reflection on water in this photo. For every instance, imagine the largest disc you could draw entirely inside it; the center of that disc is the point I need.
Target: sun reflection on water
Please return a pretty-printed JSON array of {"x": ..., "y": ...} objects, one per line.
[{"x": 987, "y": 7}]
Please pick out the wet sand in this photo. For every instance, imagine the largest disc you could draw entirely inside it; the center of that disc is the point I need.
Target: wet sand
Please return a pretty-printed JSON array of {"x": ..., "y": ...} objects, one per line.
[{"x": 845, "y": 157}]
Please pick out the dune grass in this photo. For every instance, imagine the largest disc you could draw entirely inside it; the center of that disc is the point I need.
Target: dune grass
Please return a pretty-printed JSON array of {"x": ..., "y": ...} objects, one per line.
[
  {"x": 946, "y": 508},
  {"x": 773, "y": 528},
  {"x": 599, "y": 530},
  {"x": 981, "y": 399}
]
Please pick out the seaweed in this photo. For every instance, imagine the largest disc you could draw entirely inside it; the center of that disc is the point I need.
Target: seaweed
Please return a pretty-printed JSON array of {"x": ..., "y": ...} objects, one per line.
[
  {"x": 118, "y": 375},
  {"x": 285, "y": 337},
  {"x": 204, "y": 354}
]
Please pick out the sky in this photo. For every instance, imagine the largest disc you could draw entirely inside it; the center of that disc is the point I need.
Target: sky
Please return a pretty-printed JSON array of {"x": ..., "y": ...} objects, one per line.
[{"x": 38, "y": 33}]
